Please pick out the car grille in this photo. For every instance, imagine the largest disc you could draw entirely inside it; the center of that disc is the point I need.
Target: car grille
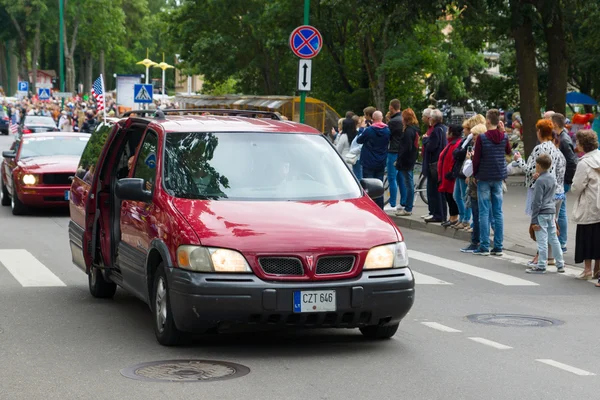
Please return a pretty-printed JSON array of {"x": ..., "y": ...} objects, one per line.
[
  {"x": 56, "y": 179},
  {"x": 281, "y": 266},
  {"x": 334, "y": 265}
]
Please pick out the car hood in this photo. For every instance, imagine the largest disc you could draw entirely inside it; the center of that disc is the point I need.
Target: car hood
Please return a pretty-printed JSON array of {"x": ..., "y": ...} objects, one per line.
[
  {"x": 50, "y": 164},
  {"x": 288, "y": 226}
]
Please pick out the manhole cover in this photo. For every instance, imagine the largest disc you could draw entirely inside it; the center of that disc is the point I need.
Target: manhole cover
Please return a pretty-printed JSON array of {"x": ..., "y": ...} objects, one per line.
[
  {"x": 185, "y": 371},
  {"x": 513, "y": 320}
]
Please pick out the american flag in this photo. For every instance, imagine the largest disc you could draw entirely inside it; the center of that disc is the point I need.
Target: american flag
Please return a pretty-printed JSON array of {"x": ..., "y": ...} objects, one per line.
[
  {"x": 98, "y": 92},
  {"x": 14, "y": 128}
]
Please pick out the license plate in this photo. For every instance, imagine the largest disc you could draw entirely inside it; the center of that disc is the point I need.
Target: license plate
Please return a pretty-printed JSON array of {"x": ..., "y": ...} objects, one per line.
[
  {"x": 67, "y": 193},
  {"x": 314, "y": 301}
]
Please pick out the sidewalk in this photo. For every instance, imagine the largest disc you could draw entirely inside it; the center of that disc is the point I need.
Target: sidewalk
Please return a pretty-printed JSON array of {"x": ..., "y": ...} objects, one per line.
[{"x": 516, "y": 223}]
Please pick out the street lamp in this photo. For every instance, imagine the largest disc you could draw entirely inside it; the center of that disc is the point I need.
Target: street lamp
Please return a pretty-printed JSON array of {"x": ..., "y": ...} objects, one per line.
[
  {"x": 147, "y": 63},
  {"x": 164, "y": 66}
]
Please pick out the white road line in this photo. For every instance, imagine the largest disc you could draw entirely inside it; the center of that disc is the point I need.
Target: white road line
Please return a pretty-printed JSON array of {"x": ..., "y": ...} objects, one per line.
[
  {"x": 28, "y": 270},
  {"x": 493, "y": 276},
  {"x": 490, "y": 343},
  {"x": 441, "y": 327},
  {"x": 566, "y": 367},
  {"x": 569, "y": 271},
  {"x": 422, "y": 279}
]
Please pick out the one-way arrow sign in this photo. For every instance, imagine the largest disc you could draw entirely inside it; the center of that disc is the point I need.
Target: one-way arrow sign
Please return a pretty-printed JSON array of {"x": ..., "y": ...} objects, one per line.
[{"x": 304, "y": 75}]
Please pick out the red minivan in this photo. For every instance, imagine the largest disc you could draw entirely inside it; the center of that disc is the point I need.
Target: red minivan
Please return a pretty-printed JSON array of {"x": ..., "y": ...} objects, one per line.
[{"x": 242, "y": 220}]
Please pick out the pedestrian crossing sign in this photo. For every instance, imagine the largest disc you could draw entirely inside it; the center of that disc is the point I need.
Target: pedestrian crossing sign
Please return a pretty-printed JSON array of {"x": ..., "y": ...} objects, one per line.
[
  {"x": 44, "y": 94},
  {"x": 142, "y": 93}
]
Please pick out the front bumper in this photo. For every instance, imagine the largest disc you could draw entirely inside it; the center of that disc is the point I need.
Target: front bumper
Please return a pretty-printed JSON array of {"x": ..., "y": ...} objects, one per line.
[
  {"x": 43, "y": 196},
  {"x": 200, "y": 302}
]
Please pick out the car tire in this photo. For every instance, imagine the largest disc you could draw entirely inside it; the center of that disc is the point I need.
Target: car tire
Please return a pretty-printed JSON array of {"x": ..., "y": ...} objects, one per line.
[
  {"x": 165, "y": 330},
  {"x": 5, "y": 196},
  {"x": 379, "y": 332},
  {"x": 100, "y": 288},
  {"x": 18, "y": 208}
]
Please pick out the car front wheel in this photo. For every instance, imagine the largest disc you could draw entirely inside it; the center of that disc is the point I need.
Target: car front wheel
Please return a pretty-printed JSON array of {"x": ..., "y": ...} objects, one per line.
[
  {"x": 18, "y": 208},
  {"x": 166, "y": 332},
  {"x": 379, "y": 332}
]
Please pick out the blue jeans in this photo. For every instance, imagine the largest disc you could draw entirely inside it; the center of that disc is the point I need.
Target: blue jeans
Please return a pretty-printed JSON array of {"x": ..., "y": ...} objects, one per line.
[
  {"x": 406, "y": 179},
  {"x": 376, "y": 173},
  {"x": 475, "y": 234},
  {"x": 357, "y": 169},
  {"x": 392, "y": 174},
  {"x": 547, "y": 234},
  {"x": 563, "y": 221},
  {"x": 464, "y": 212},
  {"x": 489, "y": 194}
]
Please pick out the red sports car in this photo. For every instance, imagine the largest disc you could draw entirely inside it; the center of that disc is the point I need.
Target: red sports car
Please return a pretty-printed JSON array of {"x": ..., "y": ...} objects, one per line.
[{"x": 38, "y": 169}]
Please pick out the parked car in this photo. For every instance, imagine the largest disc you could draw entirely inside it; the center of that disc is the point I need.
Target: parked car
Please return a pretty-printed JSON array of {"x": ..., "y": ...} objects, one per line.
[
  {"x": 221, "y": 222},
  {"x": 4, "y": 122},
  {"x": 38, "y": 169}
]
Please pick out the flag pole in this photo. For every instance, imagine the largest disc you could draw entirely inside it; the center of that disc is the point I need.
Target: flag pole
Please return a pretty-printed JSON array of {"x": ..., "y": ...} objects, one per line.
[{"x": 103, "y": 97}]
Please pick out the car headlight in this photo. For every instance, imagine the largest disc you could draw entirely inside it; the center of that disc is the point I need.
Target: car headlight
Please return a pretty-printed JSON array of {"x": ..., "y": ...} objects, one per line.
[
  {"x": 393, "y": 255},
  {"x": 29, "y": 179},
  {"x": 210, "y": 259}
]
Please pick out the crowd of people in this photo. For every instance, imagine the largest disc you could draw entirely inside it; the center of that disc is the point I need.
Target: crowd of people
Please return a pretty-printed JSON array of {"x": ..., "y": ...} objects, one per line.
[{"x": 466, "y": 168}]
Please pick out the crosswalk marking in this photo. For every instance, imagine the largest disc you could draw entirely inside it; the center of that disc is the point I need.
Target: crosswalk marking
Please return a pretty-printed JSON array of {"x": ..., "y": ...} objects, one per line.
[
  {"x": 569, "y": 271},
  {"x": 26, "y": 269},
  {"x": 422, "y": 279},
  {"x": 493, "y": 276}
]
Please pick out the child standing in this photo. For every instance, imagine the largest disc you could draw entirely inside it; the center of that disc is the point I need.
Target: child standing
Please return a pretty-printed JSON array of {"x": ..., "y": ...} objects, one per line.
[{"x": 543, "y": 210}]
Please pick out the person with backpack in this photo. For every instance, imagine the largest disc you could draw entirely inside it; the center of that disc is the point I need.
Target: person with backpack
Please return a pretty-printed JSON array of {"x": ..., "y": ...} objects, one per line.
[
  {"x": 90, "y": 122},
  {"x": 445, "y": 173},
  {"x": 408, "y": 151}
]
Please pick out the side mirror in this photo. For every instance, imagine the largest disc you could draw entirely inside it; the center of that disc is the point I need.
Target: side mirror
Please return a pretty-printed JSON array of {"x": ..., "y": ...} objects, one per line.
[
  {"x": 133, "y": 189},
  {"x": 373, "y": 187},
  {"x": 9, "y": 154}
]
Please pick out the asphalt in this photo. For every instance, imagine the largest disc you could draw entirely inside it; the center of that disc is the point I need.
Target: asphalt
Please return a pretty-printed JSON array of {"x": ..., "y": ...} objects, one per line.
[{"x": 60, "y": 343}]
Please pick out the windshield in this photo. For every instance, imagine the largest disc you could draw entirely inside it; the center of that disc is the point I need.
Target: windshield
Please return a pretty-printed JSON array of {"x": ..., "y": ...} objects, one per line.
[
  {"x": 43, "y": 121},
  {"x": 52, "y": 146},
  {"x": 255, "y": 166}
]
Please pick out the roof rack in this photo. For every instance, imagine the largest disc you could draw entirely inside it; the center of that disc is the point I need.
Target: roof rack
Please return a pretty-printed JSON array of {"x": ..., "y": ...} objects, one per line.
[{"x": 160, "y": 114}]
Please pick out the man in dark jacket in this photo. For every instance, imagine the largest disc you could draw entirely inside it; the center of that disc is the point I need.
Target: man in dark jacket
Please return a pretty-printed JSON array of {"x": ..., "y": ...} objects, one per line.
[
  {"x": 395, "y": 125},
  {"x": 434, "y": 143},
  {"x": 373, "y": 155},
  {"x": 567, "y": 149},
  {"x": 90, "y": 123},
  {"x": 489, "y": 167}
]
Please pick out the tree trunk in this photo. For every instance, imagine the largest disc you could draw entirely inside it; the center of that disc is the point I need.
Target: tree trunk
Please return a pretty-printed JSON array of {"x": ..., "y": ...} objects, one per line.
[
  {"x": 3, "y": 68},
  {"x": 12, "y": 67},
  {"x": 558, "y": 62},
  {"x": 101, "y": 63},
  {"x": 528, "y": 76},
  {"x": 69, "y": 73},
  {"x": 23, "y": 69},
  {"x": 87, "y": 77},
  {"x": 35, "y": 56}
]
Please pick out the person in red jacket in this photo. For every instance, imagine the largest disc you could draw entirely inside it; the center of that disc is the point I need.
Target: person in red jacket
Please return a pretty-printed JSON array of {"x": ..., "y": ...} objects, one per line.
[{"x": 445, "y": 176}]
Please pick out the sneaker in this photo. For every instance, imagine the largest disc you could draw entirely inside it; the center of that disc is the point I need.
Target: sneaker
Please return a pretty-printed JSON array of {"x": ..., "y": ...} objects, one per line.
[
  {"x": 535, "y": 270},
  {"x": 532, "y": 264},
  {"x": 425, "y": 216},
  {"x": 398, "y": 208},
  {"x": 560, "y": 270},
  {"x": 564, "y": 250},
  {"x": 470, "y": 248},
  {"x": 389, "y": 208},
  {"x": 480, "y": 252},
  {"x": 403, "y": 213},
  {"x": 497, "y": 252}
]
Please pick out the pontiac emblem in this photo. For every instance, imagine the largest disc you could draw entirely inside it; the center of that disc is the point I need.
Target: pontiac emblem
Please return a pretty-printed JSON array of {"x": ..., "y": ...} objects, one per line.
[{"x": 310, "y": 260}]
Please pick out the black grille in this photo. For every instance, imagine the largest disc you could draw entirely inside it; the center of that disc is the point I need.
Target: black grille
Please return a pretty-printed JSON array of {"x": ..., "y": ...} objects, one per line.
[
  {"x": 281, "y": 265},
  {"x": 334, "y": 265},
  {"x": 56, "y": 179}
]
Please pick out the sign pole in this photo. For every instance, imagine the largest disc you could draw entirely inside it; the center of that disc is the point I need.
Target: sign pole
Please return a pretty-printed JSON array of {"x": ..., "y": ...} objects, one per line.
[{"x": 303, "y": 93}]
